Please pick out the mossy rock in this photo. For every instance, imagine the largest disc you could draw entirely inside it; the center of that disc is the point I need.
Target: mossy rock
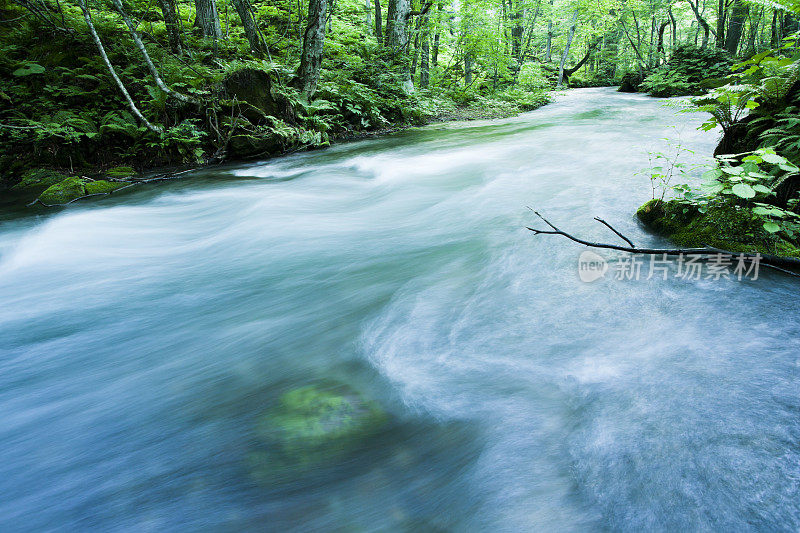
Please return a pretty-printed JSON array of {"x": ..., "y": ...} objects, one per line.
[
  {"x": 63, "y": 191},
  {"x": 257, "y": 88},
  {"x": 120, "y": 172},
  {"x": 314, "y": 427},
  {"x": 729, "y": 227},
  {"x": 102, "y": 186},
  {"x": 38, "y": 179}
]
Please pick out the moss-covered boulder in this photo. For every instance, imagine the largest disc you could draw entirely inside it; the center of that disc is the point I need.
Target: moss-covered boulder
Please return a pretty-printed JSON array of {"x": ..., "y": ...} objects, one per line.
[
  {"x": 38, "y": 179},
  {"x": 729, "y": 227},
  {"x": 258, "y": 89},
  {"x": 63, "y": 191},
  {"x": 102, "y": 186},
  {"x": 314, "y": 427}
]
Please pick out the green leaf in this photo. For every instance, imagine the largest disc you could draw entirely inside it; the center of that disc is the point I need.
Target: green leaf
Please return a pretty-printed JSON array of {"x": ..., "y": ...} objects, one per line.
[
  {"x": 743, "y": 190},
  {"x": 772, "y": 227},
  {"x": 762, "y": 188},
  {"x": 28, "y": 69},
  {"x": 774, "y": 159}
]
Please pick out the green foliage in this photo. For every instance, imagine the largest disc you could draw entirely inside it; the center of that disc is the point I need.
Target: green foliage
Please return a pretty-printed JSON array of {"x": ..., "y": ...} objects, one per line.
[{"x": 686, "y": 70}]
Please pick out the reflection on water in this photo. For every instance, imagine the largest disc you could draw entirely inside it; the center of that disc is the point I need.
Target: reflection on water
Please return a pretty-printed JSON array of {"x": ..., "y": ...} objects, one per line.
[{"x": 147, "y": 337}]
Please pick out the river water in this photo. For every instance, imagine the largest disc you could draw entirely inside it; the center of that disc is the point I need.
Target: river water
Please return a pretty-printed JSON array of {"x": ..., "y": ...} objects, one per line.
[{"x": 142, "y": 337}]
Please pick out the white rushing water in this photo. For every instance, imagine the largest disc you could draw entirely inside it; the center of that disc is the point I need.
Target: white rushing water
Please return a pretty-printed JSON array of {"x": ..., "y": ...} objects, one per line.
[{"x": 143, "y": 335}]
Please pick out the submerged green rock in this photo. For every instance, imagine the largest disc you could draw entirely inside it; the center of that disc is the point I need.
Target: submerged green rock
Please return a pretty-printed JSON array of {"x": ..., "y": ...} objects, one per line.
[
  {"x": 314, "y": 426},
  {"x": 728, "y": 227},
  {"x": 63, "y": 191}
]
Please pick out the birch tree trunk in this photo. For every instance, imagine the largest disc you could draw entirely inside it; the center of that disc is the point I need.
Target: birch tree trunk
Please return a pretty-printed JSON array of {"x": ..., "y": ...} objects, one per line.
[
  {"x": 566, "y": 48},
  {"x": 313, "y": 44},
  {"x": 96, "y": 38}
]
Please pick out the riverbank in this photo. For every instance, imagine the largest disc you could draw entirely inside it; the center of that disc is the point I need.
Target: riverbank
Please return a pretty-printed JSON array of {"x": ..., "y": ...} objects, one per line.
[{"x": 56, "y": 187}]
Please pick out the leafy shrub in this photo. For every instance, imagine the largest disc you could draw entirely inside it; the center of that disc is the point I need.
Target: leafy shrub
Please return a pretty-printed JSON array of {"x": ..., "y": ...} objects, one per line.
[{"x": 686, "y": 70}]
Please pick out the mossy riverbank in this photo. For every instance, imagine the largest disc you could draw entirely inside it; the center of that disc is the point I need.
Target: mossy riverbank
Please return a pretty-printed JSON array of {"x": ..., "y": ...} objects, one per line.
[{"x": 729, "y": 228}]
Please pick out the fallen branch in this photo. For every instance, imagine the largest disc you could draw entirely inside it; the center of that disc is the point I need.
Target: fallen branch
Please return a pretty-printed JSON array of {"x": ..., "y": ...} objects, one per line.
[{"x": 772, "y": 261}]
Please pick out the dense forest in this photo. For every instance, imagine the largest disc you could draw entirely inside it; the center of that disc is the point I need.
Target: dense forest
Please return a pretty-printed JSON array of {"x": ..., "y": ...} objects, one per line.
[{"x": 138, "y": 84}]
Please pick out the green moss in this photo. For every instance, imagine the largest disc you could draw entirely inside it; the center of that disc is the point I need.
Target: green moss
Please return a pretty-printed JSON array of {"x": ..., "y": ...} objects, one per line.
[
  {"x": 729, "y": 227},
  {"x": 120, "y": 172},
  {"x": 314, "y": 426},
  {"x": 38, "y": 179},
  {"x": 63, "y": 191},
  {"x": 102, "y": 186}
]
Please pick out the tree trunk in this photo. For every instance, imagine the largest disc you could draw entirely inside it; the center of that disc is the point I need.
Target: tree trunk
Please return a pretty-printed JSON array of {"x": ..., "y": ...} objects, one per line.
[
  {"x": 131, "y": 105},
  {"x": 674, "y": 29},
  {"x": 773, "y": 36},
  {"x": 660, "y": 48},
  {"x": 701, "y": 21},
  {"x": 549, "y": 46},
  {"x": 516, "y": 29},
  {"x": 251, "y": 31},
  {"x": 149, "y": 62},
  {"x": 171, "y": 22},
  {"x": 397, "y": 37},
  {"x": 397, "y": 18},
  {"x": 435, "y": 53},
  {"x": 467, "y": 69},
  {"x": 721, "y": 24},
  {"x": 208, "y": 18},
  {"x": 424, "y": 69},
  {"x": 739, "y": 12},
  {"x": 378, "y": 21},
  {"x": 566, "y": 48},
  {"x": 313, "y": 44}
]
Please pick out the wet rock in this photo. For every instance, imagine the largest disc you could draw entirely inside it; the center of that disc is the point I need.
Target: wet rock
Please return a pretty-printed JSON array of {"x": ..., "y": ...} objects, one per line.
[
  {"x": 37, "y": 180},
  {"x": 102, "y": 186},
  {"x": 63, "y": 191},
  {"x": 257, "y": 88}
]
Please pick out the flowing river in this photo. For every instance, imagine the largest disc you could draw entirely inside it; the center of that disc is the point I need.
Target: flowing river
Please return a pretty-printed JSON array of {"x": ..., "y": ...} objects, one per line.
[{"x": 144, "y": 335}]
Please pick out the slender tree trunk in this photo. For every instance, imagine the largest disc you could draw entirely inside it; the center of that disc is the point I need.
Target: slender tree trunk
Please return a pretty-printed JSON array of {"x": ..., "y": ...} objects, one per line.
[
  {"x": 674, "y": 29},
  {"x": 148, "y": 61},
  {"x": 773, "y": 37},
  {"x": 424, "y": 69},
  {"x": 435, "y": 53},
  {"x": 738, "y": 16},
  {"x": 660, "y": 47},
  {"x": 548, "y": 54},
  {"x": 516, "y": 29},
  {"x": 131, "y": 105},
  {"x": 171, "y": 22},
  {"x": 467, "y": 68},
  {"x": 566, "y": 48},
  {"x": 313, "y": 45},
  {"x": 251, "y": 31},
  {"x": 208, "y": 18},
  {"x": 701, "y": 21},
  {"x": 378, "y": 22}
]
